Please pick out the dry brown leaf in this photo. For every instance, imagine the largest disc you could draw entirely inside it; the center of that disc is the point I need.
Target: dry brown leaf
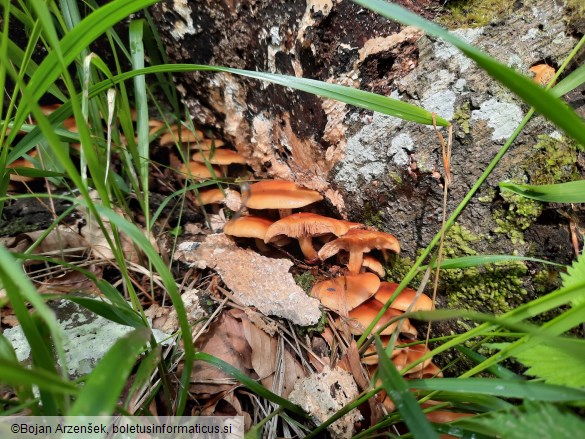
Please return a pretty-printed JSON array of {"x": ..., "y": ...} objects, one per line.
[
  {"x": 263, "y": 347},
  {"x": 97, "y": 241},
  {"x": 225, "y": 340},
  {"x": 73, "y": 281},
  {"x": 227, "y": 405},
  {"x": 265, "y": 359},
  {"x": 60, "y": 240},
  {"x": 355, "y": 365}
]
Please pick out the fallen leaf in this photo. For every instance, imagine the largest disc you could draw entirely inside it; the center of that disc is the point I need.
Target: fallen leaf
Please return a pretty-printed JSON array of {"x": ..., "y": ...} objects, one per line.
[{"x": 225, "y": 340}]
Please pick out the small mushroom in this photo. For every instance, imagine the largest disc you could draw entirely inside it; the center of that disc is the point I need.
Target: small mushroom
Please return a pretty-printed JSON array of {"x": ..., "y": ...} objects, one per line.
[
  {"x": 431, "y": 370},
  {"x": 221, "y": 157},
  {"x": 180, "y": 135},
  {"x": 199, "y": 171},
  {"x": 304, "y": 226},
  {"x": 370, "y": 356},
  {"x": 357, "y": 242},
  {"x": 373, "y": 265},
  {"x": 344, "y": 293},
  {"x": 404, "y": 299},
  {"x": 543, "y": 73},
  {"x": 361, "y": 317},
  {"x": 249, "y": 227},
  {"x": 22, "y": 163},
  {"x": 279, "y": 194}
]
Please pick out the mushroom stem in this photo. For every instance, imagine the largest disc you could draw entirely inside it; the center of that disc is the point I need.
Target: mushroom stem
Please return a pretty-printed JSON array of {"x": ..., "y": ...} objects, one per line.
[
  {"x": 306, "y": 243},
  {"x": 284, "y": 212},
  {"x": 356, "y": 258},
  {"x": 260, "y": 245}
]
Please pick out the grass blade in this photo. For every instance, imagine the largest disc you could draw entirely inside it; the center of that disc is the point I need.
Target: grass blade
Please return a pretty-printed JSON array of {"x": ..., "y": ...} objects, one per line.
[
  {"x": 102, "y": 390},
  {"x": 503, "y": 388},
  {"x": 475, "y": 260},
  {"x": 543, "y": 101},
  {"x": 571, "y": 82},
  {"x": 570, "y": 192},
  {"x": 406, "y": 403},
  {"x": 496, "y": 369},
  {"x": 121, "y": 315},
  {"x": 13, "y": 373}
]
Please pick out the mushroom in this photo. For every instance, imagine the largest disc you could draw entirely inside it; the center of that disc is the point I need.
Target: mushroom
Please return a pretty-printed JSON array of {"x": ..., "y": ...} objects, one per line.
[
  {"x": 404, "y": 299},
  {"x": 357, "y": 242},
  {"x": 198, "y": 171},
  {"x": 221, "y": 157},
  {"x": 210, "y": 196},
  {"x": 249, "y": 227},
  {"x": 344, "y": 293},
  {"x": 304, "y": 226},
  {"x": 361, "y": 317},
  {"x": 431, "y": 370},
  {"x": 22, "y": 163},
  {"x": 373, "y": 265},
  {"x": 180, "y": 135},
  {"x": 279, "y": 194},
  {"x": 370, "y": 356}
]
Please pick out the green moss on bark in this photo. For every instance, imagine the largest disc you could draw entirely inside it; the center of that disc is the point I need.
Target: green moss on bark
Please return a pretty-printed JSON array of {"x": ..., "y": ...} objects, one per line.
[{"x": 493, "y": 288}]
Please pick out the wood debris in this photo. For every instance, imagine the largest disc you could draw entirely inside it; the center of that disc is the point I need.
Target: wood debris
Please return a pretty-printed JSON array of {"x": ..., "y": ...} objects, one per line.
[{"x": 255, "y": 280}]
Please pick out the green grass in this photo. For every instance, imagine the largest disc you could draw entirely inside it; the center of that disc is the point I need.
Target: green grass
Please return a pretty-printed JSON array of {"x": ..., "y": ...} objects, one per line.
[{"x": 100, "y": 98}]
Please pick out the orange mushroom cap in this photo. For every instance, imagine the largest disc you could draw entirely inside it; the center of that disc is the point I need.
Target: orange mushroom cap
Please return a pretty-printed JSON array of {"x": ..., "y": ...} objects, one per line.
[
  {"x": 219, "y": 157},
  {"x": 431, "y": 370},
  {"x": 357, "y": 242},
  {"x": 22, "y": 163},
  {"x": 279, "y": 194},
  {"x": 373, "y": 265},
  {"x": 404, "y": 299},
  {"x": 362, "y": 316},
  {"x": 198, "y": 171},
  {"x": 371, "y": 353},
  {"x": 247, "y": 227},
  {"x": 183, "y": 135},
  {"x": 543, "y": 73},
  {"x": 210, "y": 196},
  {"x": 304, "y": 226},
  {"x": 344, "y": 293}
]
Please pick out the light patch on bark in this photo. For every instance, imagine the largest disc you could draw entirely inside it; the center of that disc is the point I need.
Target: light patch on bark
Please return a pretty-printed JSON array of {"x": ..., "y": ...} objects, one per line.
[
  {"x": 313, "y": 6},
  {"x": 185, "y": 25},
  {"x": 383, "y": 44},
  {"x": 503, "y": 117},
  {"x": 445, "y": 50}
]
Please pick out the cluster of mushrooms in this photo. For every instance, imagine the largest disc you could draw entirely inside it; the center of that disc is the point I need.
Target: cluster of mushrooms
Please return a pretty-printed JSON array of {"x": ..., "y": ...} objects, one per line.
[{"x": 358, "y": 296}]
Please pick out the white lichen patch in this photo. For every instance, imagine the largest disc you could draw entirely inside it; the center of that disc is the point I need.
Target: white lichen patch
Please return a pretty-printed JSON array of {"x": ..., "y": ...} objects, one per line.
[
  {"x": 183, "y": 25},
  {"x": 442, "y": 103},
  {"x": 255, "y": 280},
  {"x": 366, "y": 152},
  {"x": 18, "y": 341},
  {"x": 502, "y": 117},
  {"x": 401, "y": 145},
  {"x": 444, "y": 50},
  {"x": 325, "y": 393},
  {"x": 86, "y": 337},
  {"x": 530, "y": 35}
]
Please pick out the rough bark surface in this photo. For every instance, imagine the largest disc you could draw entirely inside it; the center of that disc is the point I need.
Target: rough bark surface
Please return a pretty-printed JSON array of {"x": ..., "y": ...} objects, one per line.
[{"x": 376, "y": 168}]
